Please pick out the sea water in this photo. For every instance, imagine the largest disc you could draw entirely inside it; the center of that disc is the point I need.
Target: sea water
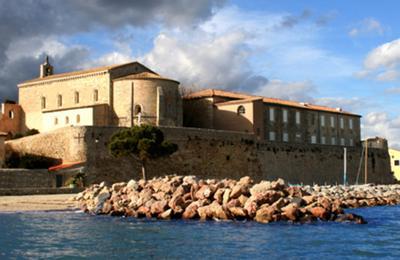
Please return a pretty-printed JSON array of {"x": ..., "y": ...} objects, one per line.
[{"x": 75, "y": 234}]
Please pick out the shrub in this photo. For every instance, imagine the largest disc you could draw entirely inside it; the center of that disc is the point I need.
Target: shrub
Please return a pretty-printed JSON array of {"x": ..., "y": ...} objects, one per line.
[{"x": 143, "y": 142}]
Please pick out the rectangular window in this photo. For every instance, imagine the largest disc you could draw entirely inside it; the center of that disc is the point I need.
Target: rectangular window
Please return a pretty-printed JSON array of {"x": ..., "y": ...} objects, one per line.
[
  {"x": 351, "y": 123},
  {"x": 272, "y": 136},
  {"x": 298, "y": 117},
  {"x": 396, "y": 162},
  {"x": 285, "y": 137},
  {"x": 285, "y": 115},
  {"x": 342, "y": 141},
  {"x": 351, "y": 142},
  {"x": 313, "y": 139},
  {"x": 333, "y": 141},
  {"x": 332, "y": 121},
  {"x": 298, "y": 137},
  {"x": 341, "y": 123},
  {"x": 322, "y": 118},
  {"x": 271, "y": 114},
  {"x": 323, "y": 140}
]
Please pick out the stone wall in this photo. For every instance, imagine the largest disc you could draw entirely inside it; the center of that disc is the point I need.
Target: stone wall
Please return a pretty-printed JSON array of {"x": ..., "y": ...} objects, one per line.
[
  {"x": 213, "y": 154},
  {"x": 223, "y": 154},
  {"x": 10, "y": 118},
  {"x": 21, "y": 179},
  {"x": 2, "y": 149},
  {"x": 65, "y": 143}
]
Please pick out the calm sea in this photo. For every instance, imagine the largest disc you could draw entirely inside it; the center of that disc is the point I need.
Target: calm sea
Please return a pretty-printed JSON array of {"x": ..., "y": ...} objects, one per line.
[{"x": 73, "y": 235}]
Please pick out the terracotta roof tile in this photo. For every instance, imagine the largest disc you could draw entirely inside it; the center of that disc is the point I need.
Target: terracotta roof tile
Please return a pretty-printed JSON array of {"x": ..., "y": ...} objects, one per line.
[
  {"x": 77, "y": 73},
  {"x": 236, "y": 95},
  {"x": 240, "y": 101},
  {"x": 145, "y": 75}
]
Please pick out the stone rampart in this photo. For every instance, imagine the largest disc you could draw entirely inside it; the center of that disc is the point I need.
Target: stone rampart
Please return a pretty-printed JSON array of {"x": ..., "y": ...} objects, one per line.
[
  {"x": 212, "y": 154},
  {"x": 22, "y": 178},
  {"x": 65, "y": 143}
]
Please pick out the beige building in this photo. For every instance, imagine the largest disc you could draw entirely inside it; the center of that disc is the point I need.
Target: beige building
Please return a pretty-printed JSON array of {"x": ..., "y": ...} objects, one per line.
[
  {"x": 271, "y": 119},
  {"x": 106, "y": 96},
  {"x": 395, "y": 162}
]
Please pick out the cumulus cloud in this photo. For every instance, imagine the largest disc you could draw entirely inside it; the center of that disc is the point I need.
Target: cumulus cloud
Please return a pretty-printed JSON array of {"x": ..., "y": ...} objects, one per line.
[
  {"x": 383, "y": 62},
  {"x": 297, "y": 91},
  {"x": 367, "y": 26},
  {"x": 289, "y": 21},
  {"x": 352, "y": 104},
  {"x": 380, "y": 124},
  {"x": 25, "y": 25},
  {"x": 394, "y": 90},
  {"x": 201, "y": 59}
]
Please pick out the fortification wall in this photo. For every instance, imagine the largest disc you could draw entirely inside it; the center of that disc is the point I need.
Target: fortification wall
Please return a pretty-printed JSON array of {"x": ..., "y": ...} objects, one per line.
[
  {"x": 2, "y": 149},
  {"x": 222, "y": 154},
  {"x": 21, "y": 178},
  {"x": 217, "y": 154},
  {"x": 65, "y": 143}
]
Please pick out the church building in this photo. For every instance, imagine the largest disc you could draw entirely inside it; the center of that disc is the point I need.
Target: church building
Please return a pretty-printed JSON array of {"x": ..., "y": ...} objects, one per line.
[
  {"x": 120, "y": 95},
  {"x": 131, "y": 94}
]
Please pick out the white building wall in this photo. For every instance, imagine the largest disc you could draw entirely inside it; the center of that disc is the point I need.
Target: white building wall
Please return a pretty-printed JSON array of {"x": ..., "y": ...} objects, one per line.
[{"x": 76, "y": 117}]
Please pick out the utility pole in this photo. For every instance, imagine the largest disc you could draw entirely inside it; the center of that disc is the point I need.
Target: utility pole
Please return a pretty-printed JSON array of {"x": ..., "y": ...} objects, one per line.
[
  {"x": 366, "y": 162},
  {"x": 345, "y": 166}
]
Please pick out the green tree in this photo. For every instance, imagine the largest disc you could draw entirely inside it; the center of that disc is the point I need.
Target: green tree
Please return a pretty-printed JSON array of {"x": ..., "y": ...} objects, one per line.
[{"x": 143, "y": 142}]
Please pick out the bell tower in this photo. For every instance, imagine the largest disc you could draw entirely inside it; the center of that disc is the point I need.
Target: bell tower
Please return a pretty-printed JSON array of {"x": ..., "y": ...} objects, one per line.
[{"x": 46, "y": 69}]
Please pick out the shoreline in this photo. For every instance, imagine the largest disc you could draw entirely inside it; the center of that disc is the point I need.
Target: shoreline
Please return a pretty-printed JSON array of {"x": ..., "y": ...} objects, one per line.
[{"x": 37, "y": 203}]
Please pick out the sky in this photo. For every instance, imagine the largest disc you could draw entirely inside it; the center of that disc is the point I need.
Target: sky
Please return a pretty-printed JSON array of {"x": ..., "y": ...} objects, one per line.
[{"x": 335, "y": 53}]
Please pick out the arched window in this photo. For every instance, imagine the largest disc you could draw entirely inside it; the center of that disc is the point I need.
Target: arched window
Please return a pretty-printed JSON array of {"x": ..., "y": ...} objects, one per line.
[
  {"x": 66, "y": 120},
  {"x": 138, "y": 109},
  {"x": 76, "y": 97},
  {"x": 95, "y": 95},
  {"x": 78, "y": 119},
  {"x": 241, "y": 110},
  {"x": 59, "y": 100},
  {"x": 43, "y": 102}
]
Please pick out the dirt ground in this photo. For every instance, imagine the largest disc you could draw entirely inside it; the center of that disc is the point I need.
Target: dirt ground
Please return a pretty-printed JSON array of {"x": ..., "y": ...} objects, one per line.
[{"x": 37, "y": 203}]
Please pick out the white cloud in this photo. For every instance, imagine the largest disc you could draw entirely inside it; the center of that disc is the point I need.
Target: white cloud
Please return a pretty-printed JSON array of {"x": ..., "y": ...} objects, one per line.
[
  {"x": 380, "y": 124},
  {"x": 383, "y": 62},
  {"x": 297, "y": 91},
  {"x": 388, "y": 75},
  {"x": 201, "y": 59},
  {"x": 367, "y": 26},
  {"x": 395, "y": 90},
  {"x": 352, "y": 104}
]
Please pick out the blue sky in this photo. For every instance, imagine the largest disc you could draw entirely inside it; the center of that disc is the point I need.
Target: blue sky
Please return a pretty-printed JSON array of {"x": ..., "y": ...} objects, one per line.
[{"x": 335, "y": 53}]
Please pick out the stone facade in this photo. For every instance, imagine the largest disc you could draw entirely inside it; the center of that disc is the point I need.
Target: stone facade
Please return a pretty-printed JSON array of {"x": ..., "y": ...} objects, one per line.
[
  {"x": 23, "y": 178},
  {"x": 210, "y": 154},
  {"x": 272, "y": 119},
  {"x": 100, "y": 96},
  {"x": 2, "y": 148},
  {"x": 11, "y": 118}
]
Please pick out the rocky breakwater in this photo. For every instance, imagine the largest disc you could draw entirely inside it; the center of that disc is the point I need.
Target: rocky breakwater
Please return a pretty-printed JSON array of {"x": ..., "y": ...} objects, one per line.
[
  {"x": 356, "y": 196},
  {"x": 190, "y": 198}
]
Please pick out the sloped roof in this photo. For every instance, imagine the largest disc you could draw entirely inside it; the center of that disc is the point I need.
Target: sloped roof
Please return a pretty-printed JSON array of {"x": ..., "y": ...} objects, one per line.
[
  {"x": 144, "y": 75},
  {"x": 238, "y": 101},
  {"x": 277, "y": 101},
  {"x": 82, "y": 72}
]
